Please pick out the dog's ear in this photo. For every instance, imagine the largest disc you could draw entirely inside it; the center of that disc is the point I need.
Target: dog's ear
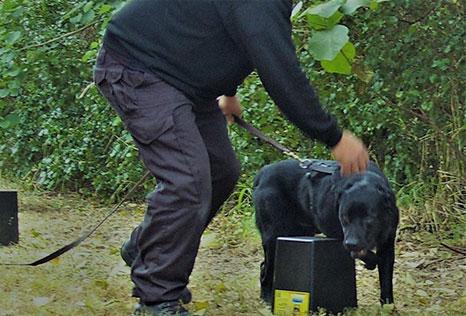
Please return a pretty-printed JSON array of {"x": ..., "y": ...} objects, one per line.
[
  {"x": 339, "y": 188},
  {"x": 389, "y": 200},
  {"x": 337, "y": 192}
]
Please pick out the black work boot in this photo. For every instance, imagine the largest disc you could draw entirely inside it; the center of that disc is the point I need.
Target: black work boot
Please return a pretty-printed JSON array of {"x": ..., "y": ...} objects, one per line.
[
  {"x": 163, "y": 309},
  {"x": 129, "y": 254},
  {"x": 266, "y": 296}
]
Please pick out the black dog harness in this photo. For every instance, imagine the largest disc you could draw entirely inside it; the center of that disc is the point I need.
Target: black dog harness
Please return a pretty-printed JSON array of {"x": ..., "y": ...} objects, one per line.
[{"x": 320, "y": 166}]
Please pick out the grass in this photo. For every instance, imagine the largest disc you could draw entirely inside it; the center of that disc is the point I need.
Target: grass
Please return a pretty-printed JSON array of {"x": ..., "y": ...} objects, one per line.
[{"x": 92, "y": 279}]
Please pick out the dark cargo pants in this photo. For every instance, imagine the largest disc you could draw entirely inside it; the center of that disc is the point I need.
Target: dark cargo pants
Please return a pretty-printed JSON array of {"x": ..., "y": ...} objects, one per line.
[{"x": 187, "y": 149}]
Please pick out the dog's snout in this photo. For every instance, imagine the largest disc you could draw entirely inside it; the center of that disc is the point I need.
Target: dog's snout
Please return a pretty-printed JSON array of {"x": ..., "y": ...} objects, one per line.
[{"x": 351, "y": 245}]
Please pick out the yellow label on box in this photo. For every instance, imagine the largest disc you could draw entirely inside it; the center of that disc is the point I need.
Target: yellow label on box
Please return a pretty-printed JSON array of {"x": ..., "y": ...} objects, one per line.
[{"x": 291, "y": 303}]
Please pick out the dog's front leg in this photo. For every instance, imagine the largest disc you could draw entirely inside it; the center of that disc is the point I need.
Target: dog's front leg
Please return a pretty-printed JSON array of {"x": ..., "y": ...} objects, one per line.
[{"x": 386, "y": 254}]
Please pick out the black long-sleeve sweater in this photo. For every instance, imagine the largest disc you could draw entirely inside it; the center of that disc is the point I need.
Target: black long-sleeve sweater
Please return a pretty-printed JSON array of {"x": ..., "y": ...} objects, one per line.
[{"x": 205, "y": 48}]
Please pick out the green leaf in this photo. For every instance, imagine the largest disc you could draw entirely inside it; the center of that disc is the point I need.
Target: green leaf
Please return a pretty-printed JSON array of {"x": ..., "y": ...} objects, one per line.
[
  {"x": 326, "y": 9},
  {"x": 7, "y": 56},
  {"x": 88, "y": 55},
  {"x": 14, "y": 72},
  {"x": 319, "y": 23},
  {"x": 88, "y": 6},
  {"x": 72, "y": 12},
  {"x": 363, "y": 72},
  {"x": 375, "y": 4},
  {"x": 76, "y": 19},
  {"x": 10, "y": 5},
  {"x": 18, "y": 12},
  {"x": 342, "y": 62},
  {"x": 325, "y": 45},
  {"x": 9, "y": 121},
  {"x": 14, "y": 84},
  {"x": 12, "y": 37},
  {"x": 14, "y": 92},
  {"x": 427, "y": 106},
  {"x": 352, "y": 5},
  {"x": 116, "y": 121},
  {"x": 105, "y": 8},
  {"x": 88, "y": 17},
  {"x": 4, "y": 93},
  {"x": 442, "y": 64},
  {"x": 296, "y": 9}
]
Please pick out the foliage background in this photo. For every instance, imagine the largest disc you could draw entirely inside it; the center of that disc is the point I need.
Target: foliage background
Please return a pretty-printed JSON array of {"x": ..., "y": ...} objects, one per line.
[{"x": 405, "y": 98}]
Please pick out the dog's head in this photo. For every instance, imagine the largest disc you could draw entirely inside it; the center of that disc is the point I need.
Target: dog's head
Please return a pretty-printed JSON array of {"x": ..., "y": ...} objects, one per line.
[{"x": 365, "y": 213}]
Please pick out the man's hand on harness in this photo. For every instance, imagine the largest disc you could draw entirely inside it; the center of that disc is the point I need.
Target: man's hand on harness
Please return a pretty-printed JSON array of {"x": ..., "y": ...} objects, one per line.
[
  {"x": 351, "y": 153},
  {"x": 230, "y": 106}
]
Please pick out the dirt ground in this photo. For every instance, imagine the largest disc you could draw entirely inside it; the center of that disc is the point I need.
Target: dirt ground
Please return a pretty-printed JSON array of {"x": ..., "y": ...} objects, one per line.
[{"x": 93, "y": 280}]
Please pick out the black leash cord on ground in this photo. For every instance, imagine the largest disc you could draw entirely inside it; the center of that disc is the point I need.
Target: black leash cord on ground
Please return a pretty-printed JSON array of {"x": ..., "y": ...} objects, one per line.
[
  {"x": 75, "y": 243},
  {"x": 251, "y": 129}
]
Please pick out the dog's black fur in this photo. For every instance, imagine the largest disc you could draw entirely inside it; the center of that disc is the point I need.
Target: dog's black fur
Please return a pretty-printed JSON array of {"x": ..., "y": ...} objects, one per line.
[{"x": 359, "y": 209}]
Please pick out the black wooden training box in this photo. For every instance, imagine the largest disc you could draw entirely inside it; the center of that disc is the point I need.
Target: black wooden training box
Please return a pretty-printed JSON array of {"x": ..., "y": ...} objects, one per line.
[
  {"x": 8, "y": 217},
  {"x": 319, "y": 266}
]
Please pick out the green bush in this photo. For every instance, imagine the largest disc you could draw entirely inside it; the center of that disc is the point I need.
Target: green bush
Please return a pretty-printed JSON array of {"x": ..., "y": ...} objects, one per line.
[{"x": 402, "y": 94}]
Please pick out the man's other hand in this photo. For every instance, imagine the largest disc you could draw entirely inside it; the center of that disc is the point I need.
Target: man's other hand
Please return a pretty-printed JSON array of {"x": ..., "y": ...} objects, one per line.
[
  {"x": 230, "y": 106},
  {"x": 351, "y": 153}
]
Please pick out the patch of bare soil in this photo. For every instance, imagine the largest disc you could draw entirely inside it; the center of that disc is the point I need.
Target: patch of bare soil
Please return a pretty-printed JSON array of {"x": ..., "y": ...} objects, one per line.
[{"x": 92, "y": 279}]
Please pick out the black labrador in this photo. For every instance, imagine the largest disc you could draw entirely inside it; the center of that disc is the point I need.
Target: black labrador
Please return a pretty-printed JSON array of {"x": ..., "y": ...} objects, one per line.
[{"x": 295, "y": 200}]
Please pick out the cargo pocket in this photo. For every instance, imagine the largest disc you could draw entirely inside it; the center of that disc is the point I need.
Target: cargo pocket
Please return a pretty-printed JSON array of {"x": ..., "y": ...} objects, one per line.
[
  {"x": 105, "y": 88},
  {"x": 147, "y": 129},
  {"x": 122, "y": 91},
  {"x": 99, "y": 77},
  {"x": 129, "y": 86}
]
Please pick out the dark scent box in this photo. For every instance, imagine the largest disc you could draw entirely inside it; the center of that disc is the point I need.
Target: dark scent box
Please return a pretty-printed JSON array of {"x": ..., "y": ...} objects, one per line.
[
  {"x": 312, "y": 272},
  {"x": 9, "y": 233}
]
